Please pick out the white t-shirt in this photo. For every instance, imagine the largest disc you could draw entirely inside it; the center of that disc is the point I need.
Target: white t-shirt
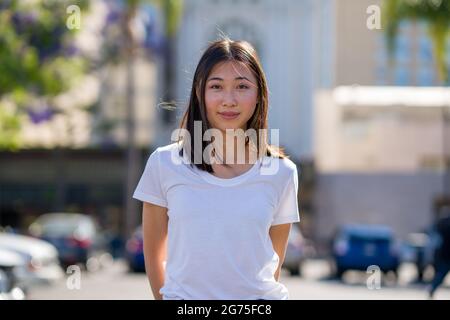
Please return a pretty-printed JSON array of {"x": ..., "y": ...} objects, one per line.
[{"x": 218, "y": 230}]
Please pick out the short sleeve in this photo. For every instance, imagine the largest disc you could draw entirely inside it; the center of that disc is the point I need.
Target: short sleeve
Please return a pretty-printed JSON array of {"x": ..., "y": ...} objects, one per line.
[
  {"x": 149, "y": 188},
  {"x": 287, "y": 210}
]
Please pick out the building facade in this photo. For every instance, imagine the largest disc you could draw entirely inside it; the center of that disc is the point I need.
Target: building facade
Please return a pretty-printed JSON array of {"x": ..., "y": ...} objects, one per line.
[{"x": 382, "y": 156}]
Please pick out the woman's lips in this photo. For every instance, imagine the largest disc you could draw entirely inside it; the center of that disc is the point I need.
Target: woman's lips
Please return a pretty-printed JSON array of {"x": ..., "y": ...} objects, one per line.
[{"x": 229, "y": 115}]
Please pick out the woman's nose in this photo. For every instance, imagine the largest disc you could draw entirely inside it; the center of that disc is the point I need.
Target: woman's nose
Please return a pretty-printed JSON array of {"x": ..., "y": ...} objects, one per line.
[{"x": 229, "y": 98}]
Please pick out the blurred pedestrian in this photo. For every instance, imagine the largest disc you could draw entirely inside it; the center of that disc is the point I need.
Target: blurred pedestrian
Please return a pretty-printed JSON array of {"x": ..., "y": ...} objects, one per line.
[
  {"x": 220, "y": 225},
  {"x": 442, "y": 253}
]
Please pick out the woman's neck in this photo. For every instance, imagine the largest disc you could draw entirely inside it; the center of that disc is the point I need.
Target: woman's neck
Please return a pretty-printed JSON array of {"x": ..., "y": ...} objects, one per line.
[{"x": 233, "y": 149}]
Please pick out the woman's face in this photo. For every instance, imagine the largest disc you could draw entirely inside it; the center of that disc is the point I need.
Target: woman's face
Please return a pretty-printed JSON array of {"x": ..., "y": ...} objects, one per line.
[{"x": 231, "y": 95}]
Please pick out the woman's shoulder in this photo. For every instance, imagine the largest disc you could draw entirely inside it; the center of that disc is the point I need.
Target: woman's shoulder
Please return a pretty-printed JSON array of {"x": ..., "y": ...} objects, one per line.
[
  {"x": 167, "y": 148},
  {"x": 167, "y": 154},
  {"x": 283, "y": 167},
  {"x": 287, "y": 164}
]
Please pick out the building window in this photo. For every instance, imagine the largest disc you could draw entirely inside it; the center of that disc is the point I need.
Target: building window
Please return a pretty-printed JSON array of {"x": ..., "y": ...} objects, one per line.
[
  {"x": 425, "y": 48},
  {"x": 413, "y": 57},
  {"x": 402, "y": 76},
  {"x": 425, "y": 76},
  {"x": 403, "y": 50}
]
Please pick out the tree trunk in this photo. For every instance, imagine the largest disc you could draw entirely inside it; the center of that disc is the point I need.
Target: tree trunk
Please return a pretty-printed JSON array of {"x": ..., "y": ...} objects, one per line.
[
  {"x": 438, "y": 33},
  {"x": 60, "y": 180},
  {"x": 168, "y": 113},
  {"x": 131, "y": 214}
]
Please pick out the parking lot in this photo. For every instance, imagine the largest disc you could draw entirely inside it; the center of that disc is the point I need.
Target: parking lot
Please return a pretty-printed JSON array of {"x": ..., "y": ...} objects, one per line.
[{"x": 115, "y": 282}]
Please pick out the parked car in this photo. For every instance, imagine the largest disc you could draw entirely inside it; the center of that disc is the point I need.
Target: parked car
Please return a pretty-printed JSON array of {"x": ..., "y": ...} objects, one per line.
[
  {"x": 12, "y": 265},
  {"x": 41, "y": 258},
  {"x": 356, "y": 247},
  {"x": 298, "y": 249},
  {"x": 76, "y": 236},
  {"x": 134, "y": 251}
]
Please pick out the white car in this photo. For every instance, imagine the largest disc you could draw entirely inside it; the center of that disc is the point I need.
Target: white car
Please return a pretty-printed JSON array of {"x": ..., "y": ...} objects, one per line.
[
  {"x": 41, "y": 257},
  {"x": 12, "y": 264}
]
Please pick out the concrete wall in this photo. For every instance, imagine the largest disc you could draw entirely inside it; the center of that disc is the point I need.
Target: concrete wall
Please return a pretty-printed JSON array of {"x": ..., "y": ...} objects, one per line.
[
  {"x": 382, "y": 129},
  {"x": 402, "y": 201},
  {"x": 356, "y": 45}
]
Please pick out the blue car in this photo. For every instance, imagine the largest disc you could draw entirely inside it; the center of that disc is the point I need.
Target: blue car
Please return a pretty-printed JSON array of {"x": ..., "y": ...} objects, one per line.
[{"x": 356, "y": 247}]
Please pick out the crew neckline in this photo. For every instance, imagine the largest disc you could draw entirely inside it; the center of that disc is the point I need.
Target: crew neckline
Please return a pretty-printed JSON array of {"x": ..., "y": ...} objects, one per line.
[{"x": 226, "y": 182}]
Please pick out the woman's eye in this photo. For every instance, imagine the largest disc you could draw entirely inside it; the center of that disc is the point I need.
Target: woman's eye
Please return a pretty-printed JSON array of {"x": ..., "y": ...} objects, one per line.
[{"x": 241, "y": 86}]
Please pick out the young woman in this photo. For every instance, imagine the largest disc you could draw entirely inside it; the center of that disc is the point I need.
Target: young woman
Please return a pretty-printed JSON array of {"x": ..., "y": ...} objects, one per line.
[{"x": 215, "y": 226}]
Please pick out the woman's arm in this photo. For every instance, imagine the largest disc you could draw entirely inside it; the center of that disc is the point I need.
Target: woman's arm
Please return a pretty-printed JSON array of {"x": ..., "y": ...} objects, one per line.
[
  {"x": 154, "y": 228},
  {"x": 279, "y": 235}
]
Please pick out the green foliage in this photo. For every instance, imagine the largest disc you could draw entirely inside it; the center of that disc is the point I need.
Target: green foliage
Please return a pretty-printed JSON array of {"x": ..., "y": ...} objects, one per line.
[
  {"x": 9, "y": 129},
  {"x": 37, "y": 57}
]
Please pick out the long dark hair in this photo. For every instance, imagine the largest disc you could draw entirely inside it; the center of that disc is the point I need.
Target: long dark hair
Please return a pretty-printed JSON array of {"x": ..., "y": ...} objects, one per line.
[{"x": 221, "y": 51}]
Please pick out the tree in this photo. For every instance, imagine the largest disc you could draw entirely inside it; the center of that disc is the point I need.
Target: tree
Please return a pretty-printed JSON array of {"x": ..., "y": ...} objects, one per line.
[
  {"x": 171, "y": 10},
  {"x": 436, "y": 13},
  {"x": 37, "y": 62}
]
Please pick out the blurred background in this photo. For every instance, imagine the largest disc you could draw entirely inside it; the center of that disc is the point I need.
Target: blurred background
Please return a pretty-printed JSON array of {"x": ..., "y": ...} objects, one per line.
[{"x": 359, "y": 90}]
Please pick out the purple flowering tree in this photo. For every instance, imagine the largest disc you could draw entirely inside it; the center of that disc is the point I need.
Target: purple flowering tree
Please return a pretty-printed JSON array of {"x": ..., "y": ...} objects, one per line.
[{"x": 37, "y": 62}]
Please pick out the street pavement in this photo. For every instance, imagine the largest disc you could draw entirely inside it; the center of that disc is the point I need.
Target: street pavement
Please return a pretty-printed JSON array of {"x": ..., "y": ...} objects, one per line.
[{"x": 114, "y": 282}]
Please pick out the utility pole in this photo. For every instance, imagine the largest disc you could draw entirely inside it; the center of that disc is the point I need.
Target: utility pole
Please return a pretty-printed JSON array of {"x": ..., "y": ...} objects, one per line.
[{"x": 130, "y": 215}]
